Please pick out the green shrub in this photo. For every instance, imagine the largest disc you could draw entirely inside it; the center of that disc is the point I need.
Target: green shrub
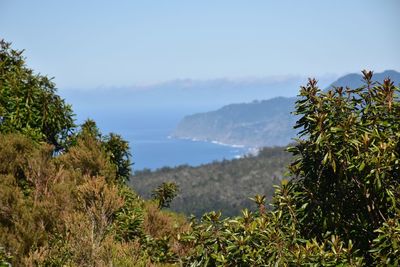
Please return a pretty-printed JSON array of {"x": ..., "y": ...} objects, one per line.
[
  {"x": 347, "y": 168},
  {"x": 165, "y": 193},
  {"x": 386, "y": 247}
]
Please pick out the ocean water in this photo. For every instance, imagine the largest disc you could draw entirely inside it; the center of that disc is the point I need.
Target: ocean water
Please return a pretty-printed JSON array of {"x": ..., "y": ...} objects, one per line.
[{"x": 151, "y": 147}]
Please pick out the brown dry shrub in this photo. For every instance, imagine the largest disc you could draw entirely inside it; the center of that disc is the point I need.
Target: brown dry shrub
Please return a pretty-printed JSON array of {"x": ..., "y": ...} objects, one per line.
[
  {"x": 88, "y": 158},
  {"x": 51, "y": 214},
  {"x": 99, "y": 201},
  {"x": 15, "y": 150},
  {"x": 162, "y": 223}
]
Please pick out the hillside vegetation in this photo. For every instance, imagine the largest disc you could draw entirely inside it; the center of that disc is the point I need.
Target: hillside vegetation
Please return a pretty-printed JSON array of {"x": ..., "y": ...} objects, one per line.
[
  {"x": 64, "y": 199},
  {"x": 225, "y": 185}
]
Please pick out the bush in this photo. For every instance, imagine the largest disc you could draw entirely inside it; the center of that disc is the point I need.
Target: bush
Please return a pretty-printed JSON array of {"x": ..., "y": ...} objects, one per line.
[
  {"x": 347, "y": 168},
  {"x": 263, "y": 239}
]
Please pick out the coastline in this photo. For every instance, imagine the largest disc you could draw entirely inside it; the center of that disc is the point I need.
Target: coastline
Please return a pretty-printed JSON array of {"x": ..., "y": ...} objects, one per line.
[{"x": 250, "y": 151}]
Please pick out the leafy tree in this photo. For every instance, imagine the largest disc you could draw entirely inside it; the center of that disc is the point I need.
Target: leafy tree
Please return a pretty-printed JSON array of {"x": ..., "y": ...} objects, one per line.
[
  {"x": 118, "y": 150},
  {"x": 165, "y": 193},
  {"x": 347, "y": 169},
  {"x": 28, "y": 102},
  {"x": 89, "y": 127},
  {"x": 128, "y": 222}
]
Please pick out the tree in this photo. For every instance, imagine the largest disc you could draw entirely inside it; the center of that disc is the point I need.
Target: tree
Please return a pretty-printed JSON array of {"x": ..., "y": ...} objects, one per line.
[
  {"x": 89, "y": 127},
  {"x": 118, "y": 151},
  {"x": 165, "y": 193},
  {"x": 28, "y": 102},
  {"x": 347, "y": 172}
]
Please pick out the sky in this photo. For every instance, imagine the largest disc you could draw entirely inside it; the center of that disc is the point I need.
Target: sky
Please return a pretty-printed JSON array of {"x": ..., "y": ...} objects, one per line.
[{"x": 89, "y": 44}]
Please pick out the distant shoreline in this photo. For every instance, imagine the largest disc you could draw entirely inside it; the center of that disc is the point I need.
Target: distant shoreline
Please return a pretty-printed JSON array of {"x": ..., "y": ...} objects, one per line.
[
  {"x": 208, "y": 141},
  {"x": 253, "y": 151}
]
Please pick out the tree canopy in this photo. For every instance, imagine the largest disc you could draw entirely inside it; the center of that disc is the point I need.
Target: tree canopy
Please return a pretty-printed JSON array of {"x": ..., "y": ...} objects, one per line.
[
  {"x": 29, "y": 103},
  {"x": 347, "y": 168}
]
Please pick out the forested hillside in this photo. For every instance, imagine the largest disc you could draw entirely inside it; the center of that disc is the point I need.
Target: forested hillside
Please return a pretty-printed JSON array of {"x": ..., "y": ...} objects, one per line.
[{"x": 225, "y": 185}]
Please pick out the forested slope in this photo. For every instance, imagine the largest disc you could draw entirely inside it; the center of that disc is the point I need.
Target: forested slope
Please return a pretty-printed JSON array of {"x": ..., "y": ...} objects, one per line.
[{"x": 225, "y": 185}]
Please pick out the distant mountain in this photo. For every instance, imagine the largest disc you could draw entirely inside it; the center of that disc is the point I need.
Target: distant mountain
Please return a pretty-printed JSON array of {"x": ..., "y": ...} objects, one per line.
[
  {"x": 259, "y": 123},
  {"x": 255, "y": 124}
]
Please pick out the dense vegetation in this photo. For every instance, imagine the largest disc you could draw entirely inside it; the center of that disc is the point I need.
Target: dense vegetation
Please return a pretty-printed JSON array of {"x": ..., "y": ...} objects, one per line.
[
  {"x": 225, "y": 185},
  {"x": 28, "y": 103},
  {"x": 64, "y": 199},
  {"x": 72, "y": 207}
]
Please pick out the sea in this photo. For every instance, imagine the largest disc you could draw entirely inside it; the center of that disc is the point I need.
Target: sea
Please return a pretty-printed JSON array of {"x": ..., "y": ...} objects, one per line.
[
  {"x": 154, "y": 148},
  {"x": 151, "y": 144}
]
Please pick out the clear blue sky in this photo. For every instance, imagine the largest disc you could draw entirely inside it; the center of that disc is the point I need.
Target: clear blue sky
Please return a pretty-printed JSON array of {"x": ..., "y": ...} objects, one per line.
[{"x": 117, "y": 43}]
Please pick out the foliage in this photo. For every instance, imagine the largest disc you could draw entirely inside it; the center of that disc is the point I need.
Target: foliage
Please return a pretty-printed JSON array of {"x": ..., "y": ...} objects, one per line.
[
  {"x": 88, "y": 157},
  {"x": 118, "y": 151},
  {"x": 68, "y": 213},
  {"x": 165, "y": 193},
  {"x": 267, "y": 239},
  {"x": 74, "y": 209},
  {"x": 4, "y": 258},
  {"x": 111, "y": 151},
  {"x": 347, "y": 166},
  {"x": 128, "y": 224},
  {"x": 89, "y": 128},
  {"x": 71, "y": 208},
  {"x": 386, "y": 247},
  {"x": 115, "y": 148},
  {"x": 28, "y": 102},
  {"x": 214, "y": 186}
]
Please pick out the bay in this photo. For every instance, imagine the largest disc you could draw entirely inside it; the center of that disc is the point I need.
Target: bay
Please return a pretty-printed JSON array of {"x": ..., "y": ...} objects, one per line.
[
  {"x": 148, "y": 135},
  {"x": 153, "y": 149}
]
